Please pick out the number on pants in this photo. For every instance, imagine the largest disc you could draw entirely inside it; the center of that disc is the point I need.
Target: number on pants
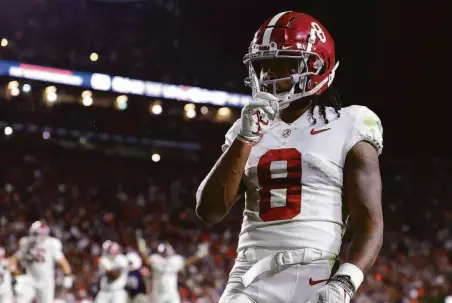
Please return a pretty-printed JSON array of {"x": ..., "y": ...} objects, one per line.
[{"x": 288, "y": 179}]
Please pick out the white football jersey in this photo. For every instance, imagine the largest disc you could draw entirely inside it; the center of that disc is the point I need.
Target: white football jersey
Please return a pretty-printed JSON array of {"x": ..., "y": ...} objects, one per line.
[
  {"x": 5, "y": 278},
  {"x": 24, "y": 288},
  {"x": 39, "y": 257},
  {"x": 164, "y": 276},
  {"x": 121, "y": 263},
  {"x": 294, "y": 179}
]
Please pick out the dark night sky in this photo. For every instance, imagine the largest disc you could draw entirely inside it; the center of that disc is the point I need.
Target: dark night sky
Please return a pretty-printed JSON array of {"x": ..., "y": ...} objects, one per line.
[{"x": 394, "y": 58}]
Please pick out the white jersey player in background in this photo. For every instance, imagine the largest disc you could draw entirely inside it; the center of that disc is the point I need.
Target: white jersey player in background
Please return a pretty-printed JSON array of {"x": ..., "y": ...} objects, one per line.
[
  {"x": 165, "y": 266},
  {"x": 6, "y": 287},
  {"x": 306, "y": 164},
  {"x": 38, "y": 253},
  {"x": 114, "y": 269}
]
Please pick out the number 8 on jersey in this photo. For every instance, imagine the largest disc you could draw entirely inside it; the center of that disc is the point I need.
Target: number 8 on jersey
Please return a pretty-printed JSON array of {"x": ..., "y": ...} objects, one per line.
[{"x": 279, "y": 175}]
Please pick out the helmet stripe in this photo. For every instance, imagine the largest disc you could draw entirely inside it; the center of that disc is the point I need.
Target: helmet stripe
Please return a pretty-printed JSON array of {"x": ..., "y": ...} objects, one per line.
[{"x": 269, "y": 30}]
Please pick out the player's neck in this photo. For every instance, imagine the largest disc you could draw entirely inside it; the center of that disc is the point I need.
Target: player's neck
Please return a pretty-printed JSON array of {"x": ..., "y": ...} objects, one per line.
[{"x": 295, "y": 111}]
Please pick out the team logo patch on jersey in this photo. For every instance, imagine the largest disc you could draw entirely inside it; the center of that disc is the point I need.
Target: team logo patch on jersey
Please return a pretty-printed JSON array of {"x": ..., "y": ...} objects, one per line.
[
  {"x": 286, "y": 133},
  {"x": 372, "y": 123}
]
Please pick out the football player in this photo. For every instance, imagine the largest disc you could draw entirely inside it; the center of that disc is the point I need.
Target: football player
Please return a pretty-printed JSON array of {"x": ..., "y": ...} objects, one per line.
[
  {"x": 136, "y": 286},
  {"x": 6, "y": 287},
  {"x": 38, "y": 253},
  {"x": 166, "y": 265},
  {"x": 114, "y": 268},
  {"x": 23, "y": 285},
  {"x": 304, "y": 165}
]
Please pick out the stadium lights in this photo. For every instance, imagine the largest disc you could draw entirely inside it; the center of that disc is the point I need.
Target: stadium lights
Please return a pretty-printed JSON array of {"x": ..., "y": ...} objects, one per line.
[
  {"x": 87, "y": 98},
  {"x": 8, "y": 131},
  {"x": 26, "y": 88},
  {"x": 45, "y": 135},
  {"x": 4, "y": 42},
  {"x": 189, "y": 106},
  {"x": 50, "y": 94},
  {"x": 94, "y": 57},
  {"x": 13, "y": 88},
  {"x": 156, "y": 108},
  {"x": 204, "y": 110},
  {"x": 155, "y": 157},
  {"x": 189, "y": 110},
  {"x": 121, "y": 102},
  {"x": 224, "y": 112},
  {"x": 190, "y": 114}
]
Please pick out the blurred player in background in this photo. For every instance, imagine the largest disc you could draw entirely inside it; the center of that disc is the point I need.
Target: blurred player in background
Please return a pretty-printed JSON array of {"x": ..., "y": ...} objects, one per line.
[
  {"x": 304, "y": 164},
  {"x": 38, "y": 253},
  {"x": 114, "y": 269},
  {"x": 136, "y": 286},
  {"x": 6, "y": 287},
  {"x": 23, "y": 283},
  {"x": 166, "y": 265}
]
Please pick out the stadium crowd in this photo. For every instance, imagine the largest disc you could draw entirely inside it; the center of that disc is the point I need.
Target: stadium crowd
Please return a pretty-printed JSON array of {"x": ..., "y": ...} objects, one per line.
[{"x": 88, "y": 197}]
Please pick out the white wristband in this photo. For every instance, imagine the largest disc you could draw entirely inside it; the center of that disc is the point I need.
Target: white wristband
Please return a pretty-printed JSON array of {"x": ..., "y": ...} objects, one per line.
[{"x": 356, "y": 275}]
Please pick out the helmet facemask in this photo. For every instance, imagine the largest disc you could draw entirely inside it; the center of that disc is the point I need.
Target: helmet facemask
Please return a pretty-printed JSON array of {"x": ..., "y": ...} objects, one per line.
[
  {"x": 309, "y": 64},
  {"x": 39, "y": 231}
]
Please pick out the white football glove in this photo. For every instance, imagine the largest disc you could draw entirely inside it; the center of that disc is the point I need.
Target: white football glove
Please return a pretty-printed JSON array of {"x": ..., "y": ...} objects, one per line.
[
  {"x": 257, "y": 117},
  {"x": 341, "y": 287},
  {"x": 333, "y": 292},
  {"x": 68, "y": 281},
  {"x": 203, "y": 250}
]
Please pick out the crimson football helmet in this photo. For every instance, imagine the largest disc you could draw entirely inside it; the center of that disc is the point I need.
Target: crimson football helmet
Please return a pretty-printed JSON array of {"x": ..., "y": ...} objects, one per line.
[
  {"x": 39, "y": 228},
  {"x": 298, "y": 36},
  {"x": 111, "y": 249},
  {"x": 165, "y": 249}
]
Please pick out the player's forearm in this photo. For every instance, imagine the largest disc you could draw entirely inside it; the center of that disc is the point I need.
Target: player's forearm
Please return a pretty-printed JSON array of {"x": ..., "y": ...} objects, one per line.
[
  {"x": 219, "y": 191},
  {"x": 65, "y": 267},
  {"x": 191, "y": 261},
  {"x": 366, "y": 244},
  {"x": 13, "y": 261},
  {"x": 145, "y": 258}
]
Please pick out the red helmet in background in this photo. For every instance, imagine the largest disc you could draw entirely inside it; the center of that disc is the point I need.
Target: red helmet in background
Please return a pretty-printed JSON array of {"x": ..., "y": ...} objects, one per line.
[
  {"x": 298, "y": 36},
  {"x": 39, "y": 228},
  {"x": 165, "y": 249},
  {"x": 111, "y": 249}
]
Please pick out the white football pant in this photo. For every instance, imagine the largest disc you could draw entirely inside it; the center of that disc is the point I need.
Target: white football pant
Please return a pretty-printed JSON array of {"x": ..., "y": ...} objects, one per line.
[{"x": 269, "y": 276}]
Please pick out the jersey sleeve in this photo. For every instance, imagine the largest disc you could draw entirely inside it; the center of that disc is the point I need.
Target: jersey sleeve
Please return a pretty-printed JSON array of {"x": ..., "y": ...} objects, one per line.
[
  {"x": 366, "y": 126},
  {"x": 178, "y": 262},
  {"x": 231, "y": 134},
  {"x": 57, "y": 250}
]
